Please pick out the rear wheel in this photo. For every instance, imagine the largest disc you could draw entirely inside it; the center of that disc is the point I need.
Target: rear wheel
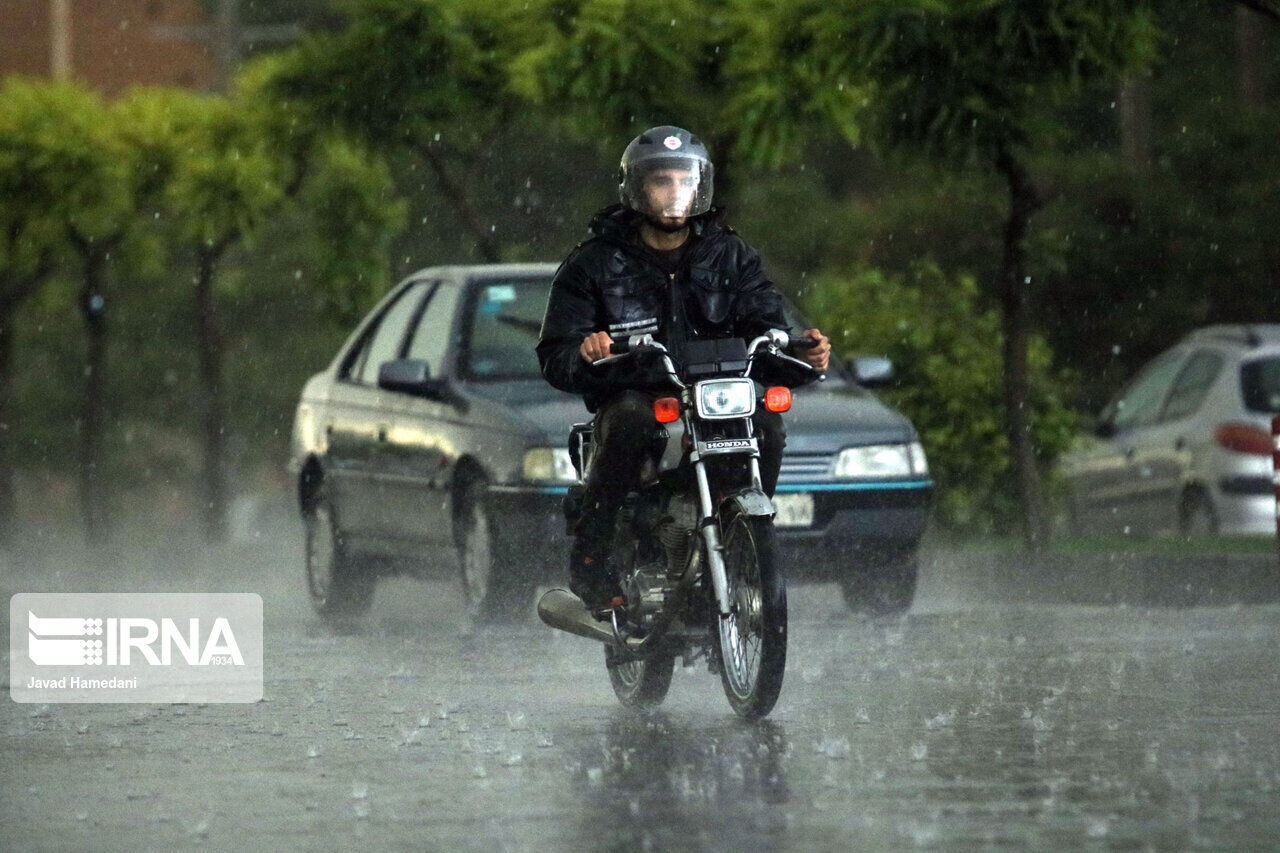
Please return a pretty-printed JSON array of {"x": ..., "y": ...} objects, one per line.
[
  {"x": 639, "y": 684},
  {"x": 885, "y": 585},
  {"x": 340, "y": 586},
  {"x": 491, "y": 586},
  {"x": 751, "y": 643}
]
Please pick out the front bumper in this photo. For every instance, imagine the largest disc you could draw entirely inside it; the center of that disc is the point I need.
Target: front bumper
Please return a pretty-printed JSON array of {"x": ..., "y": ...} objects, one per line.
[{"x": 847, "y": 518}]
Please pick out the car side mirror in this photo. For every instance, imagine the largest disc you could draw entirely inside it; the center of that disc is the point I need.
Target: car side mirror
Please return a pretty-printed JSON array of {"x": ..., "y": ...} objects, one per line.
[
  {"x": 413, "y": 376},
  {"x": 405, "y": 375},
  {"x": 872, "y": 371}
]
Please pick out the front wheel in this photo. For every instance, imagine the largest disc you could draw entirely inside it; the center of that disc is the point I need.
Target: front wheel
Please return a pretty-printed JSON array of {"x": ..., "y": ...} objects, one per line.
[
  {"x": 751, "y": 642},
  {"x": 340, "y": 586},
  {"x": 493, "y": 587}
]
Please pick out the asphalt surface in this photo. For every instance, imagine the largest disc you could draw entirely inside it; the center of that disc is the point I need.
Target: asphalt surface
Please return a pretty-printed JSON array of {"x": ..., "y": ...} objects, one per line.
[{"x": 968, "y": 723}]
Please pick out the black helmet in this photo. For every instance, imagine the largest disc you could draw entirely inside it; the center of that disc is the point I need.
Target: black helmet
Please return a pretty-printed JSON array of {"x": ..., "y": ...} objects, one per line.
[{"x": 666, "y": 147}]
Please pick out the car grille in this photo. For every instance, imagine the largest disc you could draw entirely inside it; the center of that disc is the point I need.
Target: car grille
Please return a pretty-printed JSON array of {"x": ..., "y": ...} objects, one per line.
[{"x": 806, "y": 466}]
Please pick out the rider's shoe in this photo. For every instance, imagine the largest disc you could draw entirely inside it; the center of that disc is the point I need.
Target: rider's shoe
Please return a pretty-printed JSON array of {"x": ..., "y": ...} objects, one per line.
[{"x": 592, "y": 580}]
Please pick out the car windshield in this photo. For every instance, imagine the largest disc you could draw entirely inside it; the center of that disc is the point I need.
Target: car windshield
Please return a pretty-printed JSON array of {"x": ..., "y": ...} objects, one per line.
[
  {"x": 1260, "y": 385},
  {"x": 504, "y": 319}
]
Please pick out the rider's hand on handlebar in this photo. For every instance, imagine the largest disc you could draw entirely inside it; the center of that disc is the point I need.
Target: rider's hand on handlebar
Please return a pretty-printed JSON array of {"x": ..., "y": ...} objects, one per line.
[
  {"x": 595, "y": 347},
  {"x": 819, "y": 355}
]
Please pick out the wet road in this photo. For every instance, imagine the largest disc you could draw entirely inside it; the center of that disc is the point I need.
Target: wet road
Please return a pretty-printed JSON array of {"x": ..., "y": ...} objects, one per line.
[{"x": 964, "y": 724}]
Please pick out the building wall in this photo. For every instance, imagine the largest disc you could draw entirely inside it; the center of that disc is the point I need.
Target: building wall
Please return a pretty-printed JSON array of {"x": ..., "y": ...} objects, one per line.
[{"x": 114, "y": 43}]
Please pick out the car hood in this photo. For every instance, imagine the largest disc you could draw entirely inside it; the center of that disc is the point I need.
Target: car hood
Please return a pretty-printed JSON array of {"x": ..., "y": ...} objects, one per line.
[
  {"x": 538, "y": 411},
  {"x": 821, "y": 420},
  {"x": 826, "y": 419}
]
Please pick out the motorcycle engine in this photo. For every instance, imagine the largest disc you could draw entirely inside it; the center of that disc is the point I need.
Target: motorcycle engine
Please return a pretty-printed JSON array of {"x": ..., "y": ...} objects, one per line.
[
  {"x": 649, "y": 585},
  {"x": 676, "y": 533}
]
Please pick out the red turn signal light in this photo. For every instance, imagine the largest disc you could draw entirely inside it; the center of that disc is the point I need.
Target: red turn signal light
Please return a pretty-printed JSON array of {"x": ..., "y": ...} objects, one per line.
[
  {"x": 666, "y": 410},
  {"x": 777, "y": 399},
  {"x": 1243, "y": 438}
]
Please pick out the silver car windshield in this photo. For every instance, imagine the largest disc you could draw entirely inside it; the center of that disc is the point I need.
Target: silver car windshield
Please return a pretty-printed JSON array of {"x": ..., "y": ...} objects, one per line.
[
  {"x": 1260, "y": 385},
  {"x": 503, "y": 322},
  {"x": 504, "y": 319}
]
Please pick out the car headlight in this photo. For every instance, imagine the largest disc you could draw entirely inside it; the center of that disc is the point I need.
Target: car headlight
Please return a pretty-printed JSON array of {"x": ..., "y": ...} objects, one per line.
[
  {"x": 726, "y": 398},
  {"x": 919, "y": 463},
  {"x": 876, "y": 460},
  {"x": 548, "y": 464}
]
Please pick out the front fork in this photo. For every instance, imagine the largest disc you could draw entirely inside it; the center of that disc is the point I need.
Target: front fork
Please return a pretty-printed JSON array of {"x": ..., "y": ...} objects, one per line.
[{"x": 711, "y": 534}]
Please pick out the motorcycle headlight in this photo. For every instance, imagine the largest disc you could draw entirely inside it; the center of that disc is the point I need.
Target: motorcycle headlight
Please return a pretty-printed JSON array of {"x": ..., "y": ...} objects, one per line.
[
  {"x": 726, "y": 398},
  {"x": 877, "y": 460},
  {"x": 549, "y": 464}
]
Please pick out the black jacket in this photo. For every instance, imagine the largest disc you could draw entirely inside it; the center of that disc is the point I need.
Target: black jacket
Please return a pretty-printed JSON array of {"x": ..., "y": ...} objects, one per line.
[{"x": 614, "y": 283}]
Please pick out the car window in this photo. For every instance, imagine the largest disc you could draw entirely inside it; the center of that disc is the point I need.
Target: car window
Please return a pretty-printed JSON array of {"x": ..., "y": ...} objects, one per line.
[
  {"x": 1260, "y": 385},
  {"x": 430, "y": 341},
  {"x": 1193, "y": 383},
  {"x": 1139, "y": 404},
  {"x": 382, "y": 342},
  {"x": 503, "y": 323}
]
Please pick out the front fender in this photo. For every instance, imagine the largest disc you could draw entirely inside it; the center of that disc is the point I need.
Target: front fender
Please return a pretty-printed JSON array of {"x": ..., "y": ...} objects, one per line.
[{"x": 748, "y": 502}]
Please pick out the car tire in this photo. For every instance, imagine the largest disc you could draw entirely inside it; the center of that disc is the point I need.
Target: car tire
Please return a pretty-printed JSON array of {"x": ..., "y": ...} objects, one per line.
[
  {"x": 885, "y": 585},
  {"x": 1196, "y": 516},
  {"x": 492, "y": 589},
  {"x": 339, "y": 584}
]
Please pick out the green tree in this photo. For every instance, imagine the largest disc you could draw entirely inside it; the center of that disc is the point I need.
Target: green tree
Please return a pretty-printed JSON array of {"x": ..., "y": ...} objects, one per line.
[
  {"x": 116, "y": 180},
  {"x": 615, "y": 67},
  {"x": 427, "y": 76},
  {"x": 975, "y": 82},
  {"x": 50, "y": 180},
  {"x": 947, "y": 349},
  {"x": 226, "y": 179}
]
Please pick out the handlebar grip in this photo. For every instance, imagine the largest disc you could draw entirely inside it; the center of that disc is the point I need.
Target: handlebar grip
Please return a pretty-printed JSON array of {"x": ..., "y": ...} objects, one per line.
[
  {"x": 804, "y": 342},
  {"x": 619, "y": 347}
]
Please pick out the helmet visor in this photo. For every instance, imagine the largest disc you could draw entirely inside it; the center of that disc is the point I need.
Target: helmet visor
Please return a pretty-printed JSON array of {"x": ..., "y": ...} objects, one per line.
[{"x": 670, "y": 187}]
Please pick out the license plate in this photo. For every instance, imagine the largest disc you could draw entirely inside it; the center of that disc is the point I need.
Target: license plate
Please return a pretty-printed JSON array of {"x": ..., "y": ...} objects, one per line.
[{"x": 793, "y": 510}]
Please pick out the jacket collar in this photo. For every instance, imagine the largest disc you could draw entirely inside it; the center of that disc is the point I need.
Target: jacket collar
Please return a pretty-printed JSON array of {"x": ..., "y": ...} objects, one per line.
[{"x": 618, "y": 224}]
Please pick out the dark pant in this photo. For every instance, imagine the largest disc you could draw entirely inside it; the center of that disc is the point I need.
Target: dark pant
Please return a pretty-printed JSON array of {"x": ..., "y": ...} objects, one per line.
[{"x": 624, "y": 438}]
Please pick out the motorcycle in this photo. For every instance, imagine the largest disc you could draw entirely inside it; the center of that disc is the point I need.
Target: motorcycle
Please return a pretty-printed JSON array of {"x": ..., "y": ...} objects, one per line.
[{"x": 694, "y": 547}]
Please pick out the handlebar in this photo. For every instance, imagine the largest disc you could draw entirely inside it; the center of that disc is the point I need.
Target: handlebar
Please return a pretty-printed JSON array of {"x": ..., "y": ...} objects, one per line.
[{"x": 775, "y": 340}]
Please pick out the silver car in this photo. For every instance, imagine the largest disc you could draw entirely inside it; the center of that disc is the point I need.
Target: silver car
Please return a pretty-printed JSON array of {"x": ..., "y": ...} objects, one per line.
[
  {"x": 1187, "y": 445},
  {"x": 432, "y": 446}
]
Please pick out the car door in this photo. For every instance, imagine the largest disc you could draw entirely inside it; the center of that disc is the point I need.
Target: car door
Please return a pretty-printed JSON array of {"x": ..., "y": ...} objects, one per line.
[
  {"x": 1109, "y": 491},
  {"x": 1163, "y": 457},
  {"x": 423, "y": 445},
  {"x": 360, "y": 419}
]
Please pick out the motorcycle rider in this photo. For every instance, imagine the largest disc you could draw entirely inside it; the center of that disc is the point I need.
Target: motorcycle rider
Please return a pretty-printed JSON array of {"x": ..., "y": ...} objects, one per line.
[{"x": 662, "y": 262}]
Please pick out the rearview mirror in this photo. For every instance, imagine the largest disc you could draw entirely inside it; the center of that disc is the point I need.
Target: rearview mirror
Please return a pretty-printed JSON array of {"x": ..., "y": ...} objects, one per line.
[{"x": 872, "y": 371}]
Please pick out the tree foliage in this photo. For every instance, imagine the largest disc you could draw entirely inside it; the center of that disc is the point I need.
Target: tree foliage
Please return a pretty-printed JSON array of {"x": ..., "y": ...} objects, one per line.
[{"x": 947, "y": 349}]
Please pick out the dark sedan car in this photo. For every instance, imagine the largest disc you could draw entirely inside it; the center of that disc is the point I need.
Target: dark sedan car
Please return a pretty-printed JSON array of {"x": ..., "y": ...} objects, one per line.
[{"x": 431, "y": 446}]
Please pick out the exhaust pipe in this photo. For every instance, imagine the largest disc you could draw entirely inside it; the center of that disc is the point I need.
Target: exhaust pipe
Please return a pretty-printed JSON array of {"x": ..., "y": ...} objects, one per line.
[{"x": 561, "y": 609}]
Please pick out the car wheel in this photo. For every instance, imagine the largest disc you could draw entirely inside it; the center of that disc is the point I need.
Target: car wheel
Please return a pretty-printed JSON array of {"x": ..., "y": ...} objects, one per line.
[
  {"x": 885, "y": 585},
  {"x": 1196, "y": 515},
  {"x": 339, "y": 584},
  {"x": 491, "y": 588}
]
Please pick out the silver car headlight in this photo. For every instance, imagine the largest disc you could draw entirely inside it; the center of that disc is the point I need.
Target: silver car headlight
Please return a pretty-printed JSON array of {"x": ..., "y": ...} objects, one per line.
[
  {"x": 919, "y": 464},
  {"x": 725, "y": 398},
  {"x": 548, "y": 464},
  {"x": 876, "y": 460}
]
